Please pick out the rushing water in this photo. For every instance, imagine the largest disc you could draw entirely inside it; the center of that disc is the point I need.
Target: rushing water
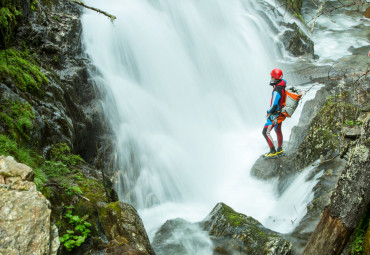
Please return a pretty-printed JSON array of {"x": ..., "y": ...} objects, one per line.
[{"x": 187, "y": 93}]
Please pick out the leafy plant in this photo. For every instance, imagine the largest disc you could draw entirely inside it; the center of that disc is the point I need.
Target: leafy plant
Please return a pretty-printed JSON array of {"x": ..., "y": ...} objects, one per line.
[
  {"x": 62, "y": 152},
  {"x": 352, "y": 123},
  {"x": 79, "y": 232}
]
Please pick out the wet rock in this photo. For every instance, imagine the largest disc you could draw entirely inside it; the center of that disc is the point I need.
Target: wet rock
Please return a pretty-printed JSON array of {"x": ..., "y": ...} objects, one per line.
[
  {"x": 24, "y": 213},
  {"x": 122, "y": 225},
  {"x": 178, "y": 236},
  {"x": 296, "y": 41},
  {"x": 266, "y": 169},
  {"x": 52, "y": 34},
  {"x": 119, "y": 249},
  {"x": 234, "y": 232},
  {"x": 351, "y": 132},
  {"x": 349, "y": 202},
  {"x": 322, "y": 193},
  {"x": 291, "y": 31}
]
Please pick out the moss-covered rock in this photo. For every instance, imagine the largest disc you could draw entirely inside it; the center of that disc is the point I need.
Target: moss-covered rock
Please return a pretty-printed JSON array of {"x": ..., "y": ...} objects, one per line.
[
  {"x": 325, "y": 136},
  {"x": 16, "y": 118},
  {"x": 22, "y": 69},
  {"x": 123, "y": 227},
  {"x": 235, "y": 232}
]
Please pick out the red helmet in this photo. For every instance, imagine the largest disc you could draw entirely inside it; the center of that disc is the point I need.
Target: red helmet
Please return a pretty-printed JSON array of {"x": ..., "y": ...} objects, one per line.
[{"x": 277, "y": 73}]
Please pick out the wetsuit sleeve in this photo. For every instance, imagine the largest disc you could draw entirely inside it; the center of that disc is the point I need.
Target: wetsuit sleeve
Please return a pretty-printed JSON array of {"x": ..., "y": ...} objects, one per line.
[{"x": 275, "y": 102}]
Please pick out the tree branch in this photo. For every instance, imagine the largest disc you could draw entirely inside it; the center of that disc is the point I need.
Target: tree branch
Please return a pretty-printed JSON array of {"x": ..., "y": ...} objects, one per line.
[{"x": 94, "y": 9}]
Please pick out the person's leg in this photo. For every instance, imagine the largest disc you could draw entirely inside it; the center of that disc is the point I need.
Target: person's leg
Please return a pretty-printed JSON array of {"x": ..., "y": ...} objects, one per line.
[
  {"x": 279, "y": 134},
  {"x": 267, "y": 134}
]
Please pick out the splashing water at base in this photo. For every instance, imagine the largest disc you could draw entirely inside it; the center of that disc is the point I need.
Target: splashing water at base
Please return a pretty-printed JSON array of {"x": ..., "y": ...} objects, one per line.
[{"x": 186, "y": 96}]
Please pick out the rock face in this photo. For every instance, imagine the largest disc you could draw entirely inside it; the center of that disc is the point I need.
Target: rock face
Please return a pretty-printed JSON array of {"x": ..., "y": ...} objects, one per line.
[
  {"x": 124, "y": 229},
  {"x": 233, "y": 232},
  {"x": 296, "y": 41},
  {"x": 66, "y": 105},
  {"x": 293, "y": 35},
  {"x": 349, "y": 202},
  {"x": 25, "y": 226}
]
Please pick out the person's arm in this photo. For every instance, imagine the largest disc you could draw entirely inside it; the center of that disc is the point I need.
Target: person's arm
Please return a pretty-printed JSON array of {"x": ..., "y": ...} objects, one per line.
[{"x": 275, "y": 102}]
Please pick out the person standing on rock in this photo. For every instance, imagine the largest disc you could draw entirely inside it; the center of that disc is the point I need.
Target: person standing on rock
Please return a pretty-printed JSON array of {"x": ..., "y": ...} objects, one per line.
[{"x": 274, "y": 119}]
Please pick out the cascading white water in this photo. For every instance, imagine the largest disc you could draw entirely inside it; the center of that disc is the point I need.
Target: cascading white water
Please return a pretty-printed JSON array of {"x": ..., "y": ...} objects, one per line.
[
  {"x": 183, "y": 75},
  {"x": 187, "y": 94}
]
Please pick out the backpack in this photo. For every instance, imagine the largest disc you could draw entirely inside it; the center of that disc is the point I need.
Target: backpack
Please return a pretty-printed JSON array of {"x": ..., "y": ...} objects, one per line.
[{"x": 291, "y": 100}]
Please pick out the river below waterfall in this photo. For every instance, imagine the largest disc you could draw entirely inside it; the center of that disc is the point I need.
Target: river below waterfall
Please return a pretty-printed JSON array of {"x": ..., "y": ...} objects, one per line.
[{"x": 186, "y": 86}]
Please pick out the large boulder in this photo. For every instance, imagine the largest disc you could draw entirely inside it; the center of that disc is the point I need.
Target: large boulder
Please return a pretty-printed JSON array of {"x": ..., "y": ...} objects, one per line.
[
  {"x": 234, "y": 232},
  {"x": 123, "y": 228},
  {"x": 24, "y": 213}
]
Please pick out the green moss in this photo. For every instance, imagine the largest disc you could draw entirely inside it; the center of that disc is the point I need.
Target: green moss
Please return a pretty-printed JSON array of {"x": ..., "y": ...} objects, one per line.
[
  {"x": 16, "y": 118},
  {"x": 325, "y": 134},
  {"x": 9, "y": 147},
  {"x": 234, "y": 218},
  {"x": 92, "y": 189},
  {"x": 9, "y": 14},
  {"x": 22, "y": 69},
  {"x": 294, "y": 6}
]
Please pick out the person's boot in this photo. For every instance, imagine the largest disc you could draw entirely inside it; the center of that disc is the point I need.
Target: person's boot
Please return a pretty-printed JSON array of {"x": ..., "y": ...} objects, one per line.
[
  {"x": 271, "y": 154},
  {"x": 280, "y": 152}
]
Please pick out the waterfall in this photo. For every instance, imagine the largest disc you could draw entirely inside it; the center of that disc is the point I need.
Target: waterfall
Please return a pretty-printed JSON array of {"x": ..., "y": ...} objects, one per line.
[
  {"x": 182, "y": 76},
  {"x": 186, "y": 85}
]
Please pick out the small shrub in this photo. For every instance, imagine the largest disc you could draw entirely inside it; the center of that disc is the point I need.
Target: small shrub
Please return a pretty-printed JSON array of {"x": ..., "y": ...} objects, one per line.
[{"x": 79, "y": 232}]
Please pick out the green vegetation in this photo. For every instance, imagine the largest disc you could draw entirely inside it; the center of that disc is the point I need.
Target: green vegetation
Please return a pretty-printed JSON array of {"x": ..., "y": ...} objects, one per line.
[
  {"x": 356, "y": 245},
  {"x": 16, "y": 118},
  {"x": 60, "y": 180},
  {"x": 61, "y": 168},
  {"x": 23, "y": 70},
  {"x": 352, "y": 123},
  {"x": 299, "y": 16},
  {"x": 8, "y": 21},
  {"x": 34, "y": 4},
  {"x": 325, "y": 135},
  {"x": 9, "y": 147},
  {"x": 295, "y": 6},
  {"x": 79, "y": 232}
]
